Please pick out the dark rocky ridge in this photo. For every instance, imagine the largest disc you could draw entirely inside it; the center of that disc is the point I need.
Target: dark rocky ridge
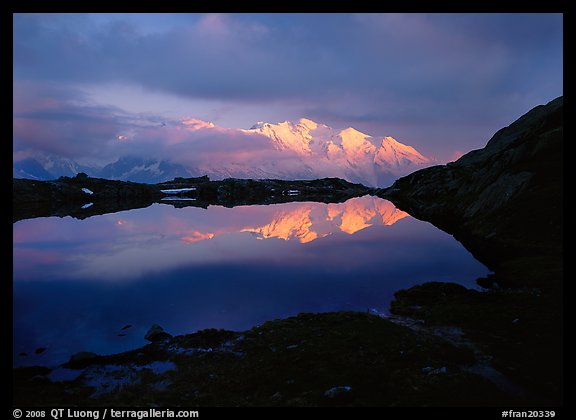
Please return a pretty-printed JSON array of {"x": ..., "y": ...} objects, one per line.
[
  {"x": 65, "y": 197},
  {"x": 502, "y": 202}
]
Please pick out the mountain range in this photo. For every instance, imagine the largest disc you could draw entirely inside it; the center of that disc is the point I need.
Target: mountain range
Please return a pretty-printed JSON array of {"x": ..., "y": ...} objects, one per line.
[{"x": 287, "y": 150}]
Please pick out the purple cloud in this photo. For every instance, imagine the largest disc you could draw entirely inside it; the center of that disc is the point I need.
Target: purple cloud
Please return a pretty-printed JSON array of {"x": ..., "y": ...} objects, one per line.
[{"x": 440, "y": 82}]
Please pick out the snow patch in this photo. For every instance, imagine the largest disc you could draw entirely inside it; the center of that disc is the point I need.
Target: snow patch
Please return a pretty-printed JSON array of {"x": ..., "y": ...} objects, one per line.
[
  {"x": 178, "y": 190},
  {"x": 85, "y": 206},
  {"x": 87, "y": 191},
  {"x": 177, "y": 199}
]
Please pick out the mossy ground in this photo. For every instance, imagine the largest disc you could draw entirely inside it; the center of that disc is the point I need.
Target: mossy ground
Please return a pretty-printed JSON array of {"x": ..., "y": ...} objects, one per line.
[
  {"x": 521, "y": 329},
  {"x": 290, "y": 362}
]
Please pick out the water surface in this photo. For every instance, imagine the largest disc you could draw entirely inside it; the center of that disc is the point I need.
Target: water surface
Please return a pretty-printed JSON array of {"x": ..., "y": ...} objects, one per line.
[{"x": 78, "y": 283}]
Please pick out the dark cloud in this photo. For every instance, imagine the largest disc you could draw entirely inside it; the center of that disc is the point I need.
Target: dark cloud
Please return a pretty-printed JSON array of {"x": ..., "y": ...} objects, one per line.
[
  {"x": 249, "y": 57},
  {"x": 64, "y": 123},
  {"x": 59, "y": 120},
  {"x": 379, "y": 69}
]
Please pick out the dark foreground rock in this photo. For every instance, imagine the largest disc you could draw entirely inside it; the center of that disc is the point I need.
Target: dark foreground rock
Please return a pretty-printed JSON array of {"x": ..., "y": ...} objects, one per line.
[
  {"x": 504, "y": 204},
  {"x": 519, "y": 330},
  {"x": 331, "y": 359},
  {"x": 81, "y": 197}
]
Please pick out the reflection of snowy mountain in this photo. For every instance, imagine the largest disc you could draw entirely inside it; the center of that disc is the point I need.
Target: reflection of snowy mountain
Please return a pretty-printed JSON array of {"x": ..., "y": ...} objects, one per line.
[
  {"x": 301, "y": 150},
  {"x": 306, "y": 222}
]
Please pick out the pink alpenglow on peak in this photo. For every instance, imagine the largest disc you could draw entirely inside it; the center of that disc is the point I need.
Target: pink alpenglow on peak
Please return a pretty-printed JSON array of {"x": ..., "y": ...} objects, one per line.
[
  {"x": 305, "y": 122},
  {"x": 394, "y": 155},
  {"x": 287, "y": 135},
  {"x": 306, "y": 222},
  {"x": 303, "y": 149},
  {"x": 348, "y": 153}
]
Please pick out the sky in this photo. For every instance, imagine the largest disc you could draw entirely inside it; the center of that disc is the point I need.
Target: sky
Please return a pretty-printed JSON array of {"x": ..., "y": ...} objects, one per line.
[{"x": 442, "y": 83}]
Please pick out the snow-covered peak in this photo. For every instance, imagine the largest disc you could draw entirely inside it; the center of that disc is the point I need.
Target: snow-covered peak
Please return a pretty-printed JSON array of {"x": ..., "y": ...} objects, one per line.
[
  {"x": 352, "y": 132},
  {"x": 301, "y": 149},
  {"x": 287, "y": 135},
  {"x": 396, "y": 156},
  {"x": 354, "y": 138},
  {"x": 357, "y": 147},
  {"x": 302, "y": 125},
  {"x": 359, "y": 156},
  {"x": 390, "y": 143},
  {"x": 309, "y": 124},
  {"x": 259, "y": 124}
]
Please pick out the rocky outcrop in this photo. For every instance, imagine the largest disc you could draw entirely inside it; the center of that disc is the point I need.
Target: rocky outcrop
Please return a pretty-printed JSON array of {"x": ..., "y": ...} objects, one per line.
[
  {"x": 234, "y": 192},
  {"x": 503, "y": 202},
  {"x": 79, "y": 197},
  {"x": 82, "y": 196},
  {"x": 156, "y": 333},
  {"x": 327, "y": 359}
]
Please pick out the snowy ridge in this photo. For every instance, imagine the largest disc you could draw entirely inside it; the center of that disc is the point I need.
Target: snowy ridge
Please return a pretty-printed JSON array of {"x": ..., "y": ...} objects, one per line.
[
  {"x": 348, "y": 153},
  {"x": 304, "y": 149}
]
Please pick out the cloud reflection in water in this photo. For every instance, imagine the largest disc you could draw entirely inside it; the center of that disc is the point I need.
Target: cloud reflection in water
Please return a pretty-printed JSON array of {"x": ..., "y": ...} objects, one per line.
[{"x": 77, "y": 282}]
